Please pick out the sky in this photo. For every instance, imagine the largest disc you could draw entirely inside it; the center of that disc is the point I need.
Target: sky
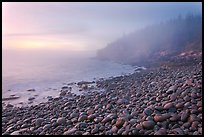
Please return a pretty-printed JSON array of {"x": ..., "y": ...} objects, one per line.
[{"x": 81, "y": 26}]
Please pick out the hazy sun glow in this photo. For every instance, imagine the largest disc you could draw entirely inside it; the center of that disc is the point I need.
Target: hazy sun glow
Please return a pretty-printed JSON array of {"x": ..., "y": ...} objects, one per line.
[
  {"x": 30, "y": 44},
  {"x": 80, "y": 26}
]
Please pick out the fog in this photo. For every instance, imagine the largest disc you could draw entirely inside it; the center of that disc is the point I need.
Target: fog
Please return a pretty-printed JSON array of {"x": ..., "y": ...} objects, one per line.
[
  {"x": 81, "y": 26},
  {"x": 179, "y": 34}
]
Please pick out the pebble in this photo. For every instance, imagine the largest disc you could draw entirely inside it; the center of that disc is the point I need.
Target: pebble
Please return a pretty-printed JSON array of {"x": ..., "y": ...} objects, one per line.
[
  {"x": 173, "y": 96},
  {"x": 148, "y": 111},
  {"x": 148, "y": 124},
  {"x": 135, "y": 131},
  {"x": 70, "y": 132},
  {"x": 15, "y": 133},
  {"x": 120, "y": 122},
  {"x": 179, "y": 105},
  {"x": 106, "y": 119},
  {"x": 161, "y": 131},
  {"x": 168, "y": 105},
  {"x": 163, "y": 117},
  {"x": 31, "y": 90},
  {"x": 31, "y": 98},
  {"x": 193, "y": 118},
  {"x": 184, "y": 116},
  {"x": 133, "y": 121},
  {"x": 114, "y": 129},
  {"x": 83, "y": 118},
  {"x": 39, "y": 121},
  {"x": 47, "y": 126},
  {"x": 159, "y": 108},
  {"x": 61, "y": 121},
  {"x": 95, "y": 130},
  {"x": 171, "y": 89},
  {"x": 91, "y": 117},
  {"x": 175, "y": 117},
  {"x": 128, "y": 105},
  {"x": 186, "y": 125}
]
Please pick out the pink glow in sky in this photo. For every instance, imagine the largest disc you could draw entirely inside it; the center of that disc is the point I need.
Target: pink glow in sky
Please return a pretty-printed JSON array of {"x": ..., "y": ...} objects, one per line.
[{"x": 80, "y": 26}]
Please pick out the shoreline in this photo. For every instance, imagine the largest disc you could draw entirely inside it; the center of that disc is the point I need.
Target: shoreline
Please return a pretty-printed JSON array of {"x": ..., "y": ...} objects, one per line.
[
  {"x": 20, "y": 97},
  {"x": 157, "y": 101}
]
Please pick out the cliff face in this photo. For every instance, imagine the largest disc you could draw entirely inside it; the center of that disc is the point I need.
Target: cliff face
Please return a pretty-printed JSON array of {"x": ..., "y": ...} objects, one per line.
[{"x": 156, "y": 42}]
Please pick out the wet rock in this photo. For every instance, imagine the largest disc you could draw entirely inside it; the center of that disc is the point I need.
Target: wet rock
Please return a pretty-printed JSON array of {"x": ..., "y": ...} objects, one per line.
[
  {"x": 148, "y": 124},
  {"x": 193, "y": 118},
  {"x": 91, "y": 117},
  {"x": 196, "y": 133},
  {"x": 70, "y": 132},
  {"x": 74, "y": 115},
  {"x": 95, "y": 130},
  {"x": 179, "y": 105},
  {"x": 112, "y": 116},
  {"x": 200, "y": 130},
  {"x": 9, "y": 129},
  {"x": 97, "y": 106},
  {"x": 148, "y": 111},
  {"x": 90, "y": 111},
  {"x": 195, "y": 124},
  {"x": 161, "y": 131},
  {"x": 86, "y": 133},
  {"x": 199, "y": 104},
  {"x": 61, "y": 121},
  {"x": 168, "y": 105},
  {"x": 82, "y": 118},
  {"x": 173, "y": 109},
  {"x": 149, "y": 118},
  {"x": 102, "y": 128},
  {"x": 159, "y": 108},
  {"x": 122, "y": 101},
  {"x": 163, "y": 117},
  {"x": 171, "y": 89},
  {"x": 109, "y": 106},
  {"x": 84, "y": 86},
  {"x": 194, "y": 111},
  {"x": 10, "y": 98},
  {"x": 39, "y": 121},
  {"x": 98, "y": 119},
  {"x": 178, "y": 131},
  {"x": 47, "y": 126},
  {"x": 175, "y": 117},
  {"x": 106, "y": 119},
  {"x": 173, "y": 96},
  {"x": 31, "y": 98},
  {"x": 81, "y": 125},
  {"x": 15, "y": 133},
  {"x": 63, "y": 93},
  {"x": 114, "y": 129},
  {"x": 138, "y": 95},
  {"x": 31, "y": 89},
  {"x": 186, "y": 125},
  {"x": 184, "y": 116},
  {"x": 135, "y": 131},
  {"x": 9, "y": 105},
  {"x": 64, "y": 87},
  {"x": 24, "y": 125},
  {"x": 133, "y": 121},
  {"x": 187, "y": 98},
  {"x": 120, "y": 122}
]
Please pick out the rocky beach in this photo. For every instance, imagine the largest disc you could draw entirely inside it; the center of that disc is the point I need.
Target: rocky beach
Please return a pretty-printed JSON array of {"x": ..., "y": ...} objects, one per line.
[{"x": 161, "y": 100}]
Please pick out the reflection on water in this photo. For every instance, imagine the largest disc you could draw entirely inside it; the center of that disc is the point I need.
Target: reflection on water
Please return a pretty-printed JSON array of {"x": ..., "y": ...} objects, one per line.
[{"x": 48, "y": 70}]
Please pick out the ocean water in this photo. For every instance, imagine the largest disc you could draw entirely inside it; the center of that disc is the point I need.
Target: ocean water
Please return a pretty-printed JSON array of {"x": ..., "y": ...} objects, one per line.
[{"x": 46, "y": 72}]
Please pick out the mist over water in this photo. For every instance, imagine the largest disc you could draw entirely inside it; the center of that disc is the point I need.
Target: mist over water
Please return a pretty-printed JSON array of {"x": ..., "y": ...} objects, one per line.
[{"x": 41, "y": 70}]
